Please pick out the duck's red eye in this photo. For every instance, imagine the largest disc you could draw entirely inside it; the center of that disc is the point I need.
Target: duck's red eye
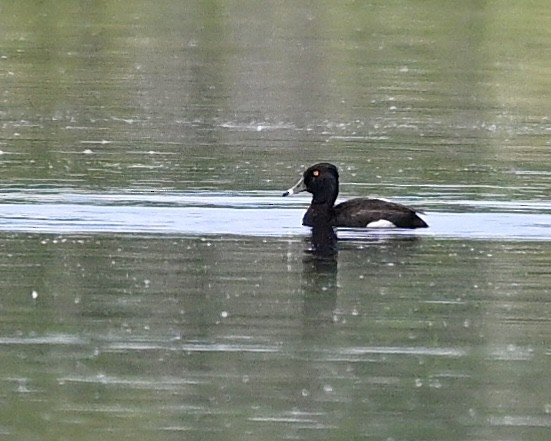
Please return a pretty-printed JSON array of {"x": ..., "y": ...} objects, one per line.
[{"x": 316, "y": 173}]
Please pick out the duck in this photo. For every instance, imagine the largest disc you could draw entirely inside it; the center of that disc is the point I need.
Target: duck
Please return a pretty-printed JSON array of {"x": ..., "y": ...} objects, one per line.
[{"x": 322, "y": 181}]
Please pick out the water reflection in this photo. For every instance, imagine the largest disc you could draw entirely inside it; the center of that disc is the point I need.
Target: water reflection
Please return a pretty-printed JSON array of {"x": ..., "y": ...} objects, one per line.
[
  {"x": 319, "y": 288},
  {"x": 323, "y": 241},
  {"x": 250, "y": 214}
]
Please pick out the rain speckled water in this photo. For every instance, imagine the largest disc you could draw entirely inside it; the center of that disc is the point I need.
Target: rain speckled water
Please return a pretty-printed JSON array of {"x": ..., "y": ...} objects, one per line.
[{"x": 155, "y": 284}]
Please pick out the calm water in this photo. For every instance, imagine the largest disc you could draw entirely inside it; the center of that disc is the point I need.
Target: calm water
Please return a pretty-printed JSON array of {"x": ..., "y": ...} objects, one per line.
[{"x": 155, "y": 285}]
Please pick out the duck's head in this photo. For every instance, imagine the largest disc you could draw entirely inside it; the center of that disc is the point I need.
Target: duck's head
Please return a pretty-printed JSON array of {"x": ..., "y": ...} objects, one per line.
[{"x": 322, "y": 180}]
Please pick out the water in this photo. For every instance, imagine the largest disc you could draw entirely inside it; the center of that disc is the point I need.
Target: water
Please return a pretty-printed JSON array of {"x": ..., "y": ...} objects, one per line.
[
  {"x": 168, "y": 336},
  {"x": 254, "y": 214},
  {"x": 155, "y": 284}
]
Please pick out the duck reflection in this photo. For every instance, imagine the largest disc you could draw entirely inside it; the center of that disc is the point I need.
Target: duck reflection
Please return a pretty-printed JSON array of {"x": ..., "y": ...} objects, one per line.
[
  {"x": 320, "y": 277},
  {"x": 320, "y": 267},
  {"x": 323, "y": 240}
]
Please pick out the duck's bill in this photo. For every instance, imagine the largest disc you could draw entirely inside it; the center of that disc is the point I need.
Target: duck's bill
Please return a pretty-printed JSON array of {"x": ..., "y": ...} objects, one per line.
[{"x": 297, "y": 188}]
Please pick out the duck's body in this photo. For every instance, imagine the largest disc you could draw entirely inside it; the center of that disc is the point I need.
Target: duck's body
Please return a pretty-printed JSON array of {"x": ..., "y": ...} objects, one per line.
[
  {"x": 370, "y": 213},
  {"x": 322, "y": 180}
]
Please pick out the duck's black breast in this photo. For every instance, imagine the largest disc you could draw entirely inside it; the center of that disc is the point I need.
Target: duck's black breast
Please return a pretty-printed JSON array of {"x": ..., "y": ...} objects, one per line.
[{"x": 364, "y": 212}]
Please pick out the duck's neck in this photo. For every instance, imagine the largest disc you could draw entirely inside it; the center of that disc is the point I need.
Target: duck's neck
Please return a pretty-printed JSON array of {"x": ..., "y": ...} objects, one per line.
[
  {"x": 324, "y": 239},
  {"x": 328, "y": 196}
]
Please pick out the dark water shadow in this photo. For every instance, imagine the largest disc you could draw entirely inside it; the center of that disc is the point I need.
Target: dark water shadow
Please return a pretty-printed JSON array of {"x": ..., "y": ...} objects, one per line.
[
  {"x": 320, "y": 267},
  {"x": 323, "y": 242},
  {"x": 319, "y": 283},
  {"x": 319, "y": 286}
]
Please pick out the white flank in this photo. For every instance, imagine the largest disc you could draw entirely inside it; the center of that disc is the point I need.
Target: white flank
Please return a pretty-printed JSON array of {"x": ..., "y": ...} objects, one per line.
[{"x": 381, "y": 223}]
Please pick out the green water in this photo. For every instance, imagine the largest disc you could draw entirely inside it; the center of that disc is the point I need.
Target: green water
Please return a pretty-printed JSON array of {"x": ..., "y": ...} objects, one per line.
[
  {"x": 165, "y": 338},
  {"x": 116, "y": 326}
]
